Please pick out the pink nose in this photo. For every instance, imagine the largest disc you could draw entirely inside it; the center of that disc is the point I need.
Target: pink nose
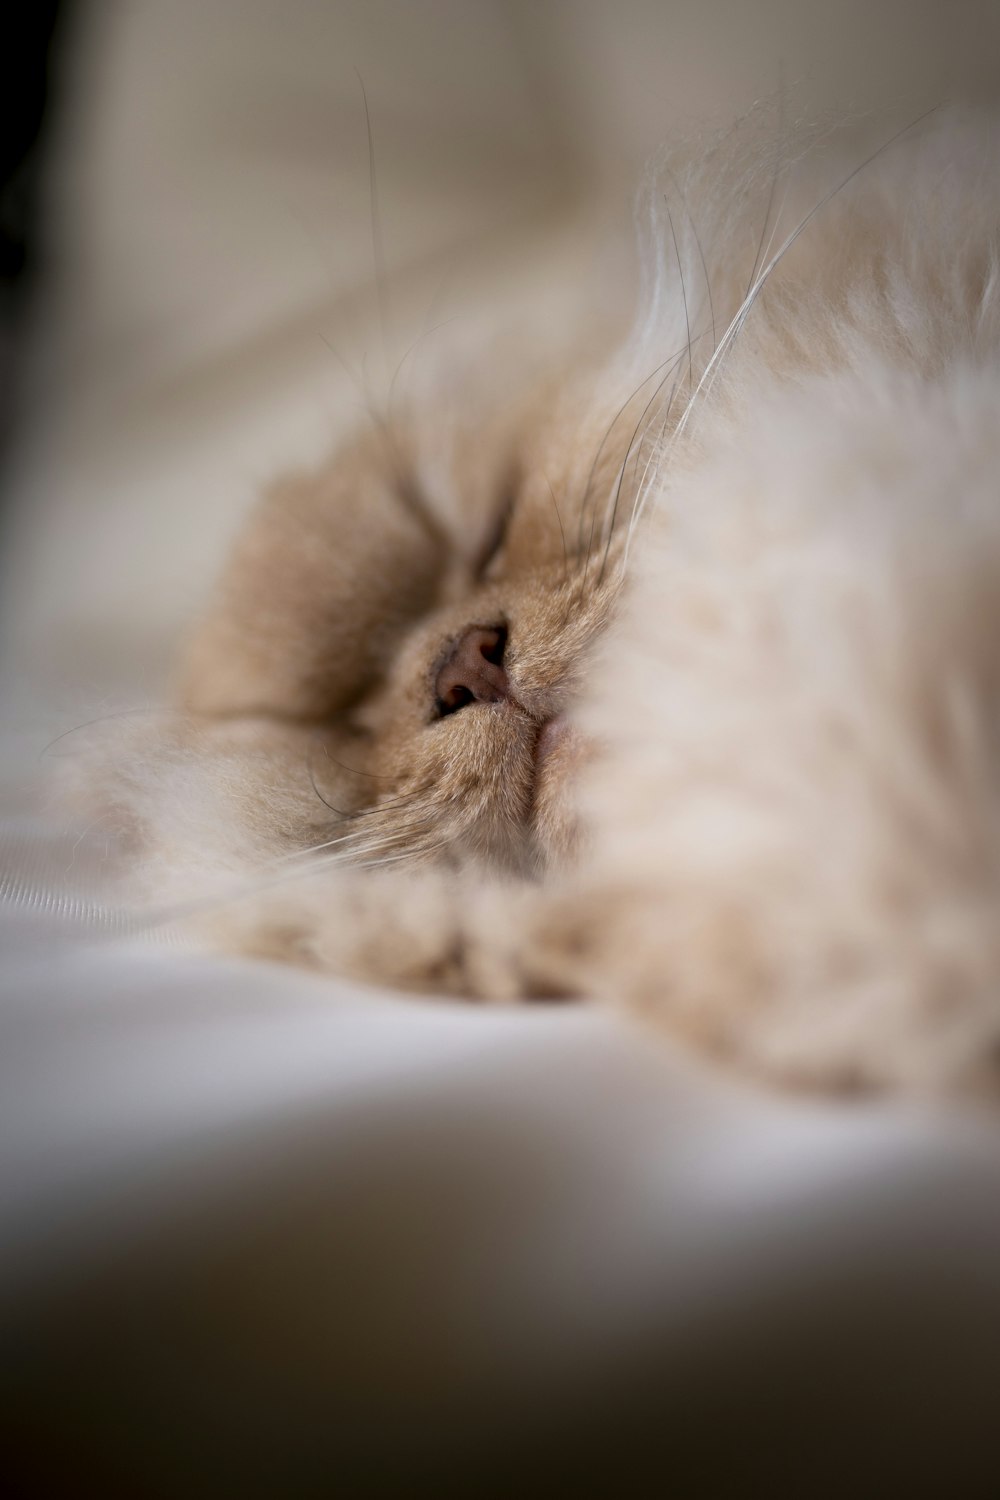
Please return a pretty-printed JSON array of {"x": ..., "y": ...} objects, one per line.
[{"x": 473, "y": 670}]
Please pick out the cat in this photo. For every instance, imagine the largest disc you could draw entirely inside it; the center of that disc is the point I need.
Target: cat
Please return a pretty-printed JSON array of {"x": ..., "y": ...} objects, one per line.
[{"x": 666, "y": 676}]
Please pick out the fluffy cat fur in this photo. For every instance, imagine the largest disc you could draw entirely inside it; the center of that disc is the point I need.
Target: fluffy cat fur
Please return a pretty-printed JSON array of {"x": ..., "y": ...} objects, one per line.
[{"x": 740, "y": 580}]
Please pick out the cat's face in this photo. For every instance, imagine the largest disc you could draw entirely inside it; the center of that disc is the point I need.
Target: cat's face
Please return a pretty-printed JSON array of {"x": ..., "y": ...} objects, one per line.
[{"x": 399, "y": 640}]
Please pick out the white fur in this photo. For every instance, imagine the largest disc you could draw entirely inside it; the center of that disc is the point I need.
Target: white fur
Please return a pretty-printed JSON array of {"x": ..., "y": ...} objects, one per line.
[
  {"x": 800, "y": 809},
  {"x": 794, "y": 820}
]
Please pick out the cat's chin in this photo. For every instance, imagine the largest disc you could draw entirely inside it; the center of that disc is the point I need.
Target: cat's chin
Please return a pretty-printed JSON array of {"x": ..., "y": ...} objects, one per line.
[
  {"x": 553, "y": 734},
  {"x": 560, "y": 751}
]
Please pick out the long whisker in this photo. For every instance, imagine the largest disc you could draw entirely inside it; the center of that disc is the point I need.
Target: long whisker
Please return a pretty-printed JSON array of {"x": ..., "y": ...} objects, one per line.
[
  {"x": 378, "y": 257},
  {"x": 366, "y": 843},
  {"x": 562, "y": 532},
  {"x": 635, "y": 434},
  {"x": 672, "y": 363},
  {"x": 616, "y": 493},
  {"x": 359, "y": 838},
  {"x": 372, "y": 775},
  {"x": 123, "y": 713},
  {"x": 298, "y": 867},
  {"x": 728, "y": 338},
  {"x": 755, "y": 290},
  {"x": 424, "y": 333},
  {"x": 354, "y": 818},
  {"x": 701, "y": 254},
  {"x": 393, "y": 859},
  {"x": 654, "y": 452},
  {"x": 684, "y": 295},
  {"x": 770, "y": 198},
  {"x": 601, "y": 445},
  {"x": 360, "y": 384},
  {"x": 654, "y": 455},
  {"x": 341, "y": 812},
  {"x": 639, "y": 424},
  {"x": 668, "y": 365}
]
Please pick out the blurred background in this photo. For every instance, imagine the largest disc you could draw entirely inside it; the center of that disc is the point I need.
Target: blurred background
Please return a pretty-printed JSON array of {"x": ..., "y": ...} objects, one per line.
[{"x": 186, "y": 232}]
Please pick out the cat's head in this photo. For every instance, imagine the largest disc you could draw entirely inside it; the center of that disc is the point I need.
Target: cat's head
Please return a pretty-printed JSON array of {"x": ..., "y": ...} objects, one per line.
[{"x": 397, "y": 643}]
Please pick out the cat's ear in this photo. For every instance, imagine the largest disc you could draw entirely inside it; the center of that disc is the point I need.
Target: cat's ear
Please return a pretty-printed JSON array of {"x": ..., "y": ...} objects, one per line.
[{"x": 328, "y": 572}]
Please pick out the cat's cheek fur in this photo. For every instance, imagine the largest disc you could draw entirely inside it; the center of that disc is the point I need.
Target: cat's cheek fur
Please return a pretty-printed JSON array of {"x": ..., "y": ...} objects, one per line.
[{"x": 793, "y": 825}]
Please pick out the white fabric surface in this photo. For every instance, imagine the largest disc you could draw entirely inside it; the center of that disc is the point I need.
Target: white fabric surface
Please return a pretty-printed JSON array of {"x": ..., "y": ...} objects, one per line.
[
  {"x": 523, "y": 1222},
  {"x": 334, "y": 1232}
]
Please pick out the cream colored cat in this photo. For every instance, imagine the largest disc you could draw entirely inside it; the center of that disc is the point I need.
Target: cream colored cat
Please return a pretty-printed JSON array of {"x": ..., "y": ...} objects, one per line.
[{"x": 669, "y": 678}]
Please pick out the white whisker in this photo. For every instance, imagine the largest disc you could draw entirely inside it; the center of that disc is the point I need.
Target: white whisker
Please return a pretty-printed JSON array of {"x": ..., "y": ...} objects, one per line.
[{"x": 711, "y": 369}]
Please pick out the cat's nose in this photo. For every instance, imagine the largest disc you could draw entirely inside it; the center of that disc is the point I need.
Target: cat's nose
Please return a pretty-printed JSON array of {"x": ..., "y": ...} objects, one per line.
[{"x": 473, "y": 670}]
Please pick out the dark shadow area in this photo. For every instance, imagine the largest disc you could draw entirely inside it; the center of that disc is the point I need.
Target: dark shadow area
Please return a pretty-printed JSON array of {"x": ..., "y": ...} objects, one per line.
[{"x": 28, "y": 87}]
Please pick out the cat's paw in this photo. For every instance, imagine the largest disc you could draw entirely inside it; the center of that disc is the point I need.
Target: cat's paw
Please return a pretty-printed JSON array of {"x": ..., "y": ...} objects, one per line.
[{"x": 430, "y": 932}]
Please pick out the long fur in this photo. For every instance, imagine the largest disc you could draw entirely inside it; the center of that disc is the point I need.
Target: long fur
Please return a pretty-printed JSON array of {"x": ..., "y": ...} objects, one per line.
[{"x": 754, "y": 566}]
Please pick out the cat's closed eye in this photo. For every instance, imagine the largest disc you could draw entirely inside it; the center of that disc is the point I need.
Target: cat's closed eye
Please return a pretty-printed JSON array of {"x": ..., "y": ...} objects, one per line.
[{"x": 486, "y": 560}]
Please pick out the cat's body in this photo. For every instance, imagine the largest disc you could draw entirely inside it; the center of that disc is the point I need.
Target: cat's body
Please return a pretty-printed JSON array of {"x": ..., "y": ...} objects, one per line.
[{"x": 671, "y": 679}]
